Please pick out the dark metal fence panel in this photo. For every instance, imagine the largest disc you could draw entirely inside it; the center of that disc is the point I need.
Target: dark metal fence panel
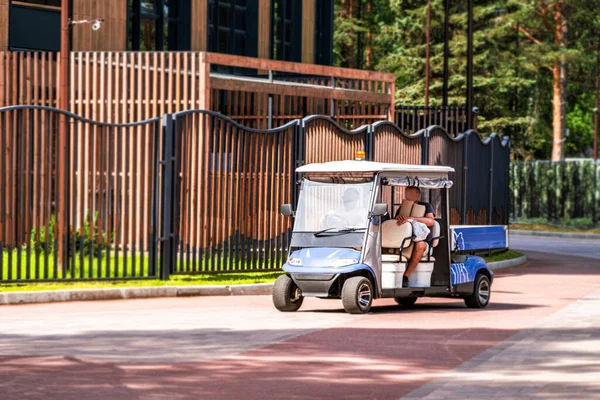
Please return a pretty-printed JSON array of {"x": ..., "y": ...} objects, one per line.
[
  {"x": 478, "y": 179},
  {"x": 412, "y": 119},
  {"x": 499, "y": 205},
  {"x": 110, "y": 188},
  {"x": 210, "y": 186},
  {"x": 443, "y": 149},
  {"x": 325, "y": 140},
  {"x": 554, "y": 191},
  {"x": 231, "y": 181}
]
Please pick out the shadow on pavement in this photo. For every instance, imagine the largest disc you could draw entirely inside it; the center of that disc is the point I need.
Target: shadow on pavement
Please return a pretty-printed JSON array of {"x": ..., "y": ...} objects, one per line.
[{"x": 334, "y": 363}]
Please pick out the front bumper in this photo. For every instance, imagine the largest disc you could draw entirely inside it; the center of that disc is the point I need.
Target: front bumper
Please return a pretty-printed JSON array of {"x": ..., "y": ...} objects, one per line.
[{"x": 317, "y": 281}]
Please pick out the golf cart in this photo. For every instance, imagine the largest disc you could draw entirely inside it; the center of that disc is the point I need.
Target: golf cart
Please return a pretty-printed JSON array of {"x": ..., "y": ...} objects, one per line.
[{"x": 358, "y": 253}]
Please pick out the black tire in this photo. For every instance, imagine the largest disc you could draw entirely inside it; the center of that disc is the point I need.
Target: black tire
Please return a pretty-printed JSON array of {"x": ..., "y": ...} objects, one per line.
[
  {"x": 357, "y": 295},
  {"x": 406, "y": 301},
  {"x": 481, "y": 292},
  {"x": 286, "y": 295}
]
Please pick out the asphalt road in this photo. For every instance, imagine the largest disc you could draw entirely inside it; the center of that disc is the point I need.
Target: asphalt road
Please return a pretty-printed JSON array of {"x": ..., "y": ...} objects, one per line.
[
  {"x": 241, "y": 347},
  {"x": 589, "y": 248}
]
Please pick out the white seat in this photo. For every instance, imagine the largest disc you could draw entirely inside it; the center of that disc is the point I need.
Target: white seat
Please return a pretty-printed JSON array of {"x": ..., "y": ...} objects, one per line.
[
  {"x": 393, "y": 238},
  {"x": 392, "y": 258}
]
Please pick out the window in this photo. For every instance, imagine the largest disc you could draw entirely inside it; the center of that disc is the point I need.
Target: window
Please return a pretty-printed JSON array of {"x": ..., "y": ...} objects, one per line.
[
  {"x": 46, "y": 20},
  {"x": 50, "y": 3},
  {"x": 286, "y": 28},
  {"x": 324, "y": 32},
  {"x": 233, "y": 27},
  {"x": 158, "y": 25}
]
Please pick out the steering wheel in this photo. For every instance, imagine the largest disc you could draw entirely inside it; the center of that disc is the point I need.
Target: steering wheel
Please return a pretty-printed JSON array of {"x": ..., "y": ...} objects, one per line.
[{"x": 335, "y": 221}]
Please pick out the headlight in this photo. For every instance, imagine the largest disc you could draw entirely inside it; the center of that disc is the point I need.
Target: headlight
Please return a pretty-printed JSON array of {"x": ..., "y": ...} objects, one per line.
[
  {"x": 296, "y": 262},
  {"x": 343, "y": 262}
]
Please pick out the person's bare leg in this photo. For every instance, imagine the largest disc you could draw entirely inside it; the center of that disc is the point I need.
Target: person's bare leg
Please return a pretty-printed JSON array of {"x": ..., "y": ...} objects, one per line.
[{"x": 417, "y": 253}]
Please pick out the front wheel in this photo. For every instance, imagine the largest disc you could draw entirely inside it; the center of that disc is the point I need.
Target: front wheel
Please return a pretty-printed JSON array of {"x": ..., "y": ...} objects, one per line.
[
  {"x": 286, "y": 295},
  {"x": 357, "y": 295},
  {"x": 406, "y": 301},
  {"x": 481, "y": 292}
]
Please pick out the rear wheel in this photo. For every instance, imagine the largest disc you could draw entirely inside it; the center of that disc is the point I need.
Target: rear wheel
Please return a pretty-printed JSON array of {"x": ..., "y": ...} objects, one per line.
[
  {"x": 481, "y": 292},
  {"x": 286, "y": 295},
  {"x": 406, "y": 301},
  {"x": 357, "y": 295}
]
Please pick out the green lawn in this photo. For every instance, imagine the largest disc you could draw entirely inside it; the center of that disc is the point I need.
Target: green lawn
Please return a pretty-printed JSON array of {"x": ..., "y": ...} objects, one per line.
[
  {"x": 14, "y": 263},
  {"x": 505, "y": 255},
  {"x": 175, "y": 280}
]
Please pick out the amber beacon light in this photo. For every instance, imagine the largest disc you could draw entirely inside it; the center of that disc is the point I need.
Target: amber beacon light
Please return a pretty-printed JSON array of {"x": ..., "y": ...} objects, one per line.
[{"x": 360, "y": 155}]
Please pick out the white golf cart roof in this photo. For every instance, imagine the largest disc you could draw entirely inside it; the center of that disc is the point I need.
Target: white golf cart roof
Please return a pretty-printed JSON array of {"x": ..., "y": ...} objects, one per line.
[
  {"x": 372, "y": 166},
  {"x": 424, "y": 176}
]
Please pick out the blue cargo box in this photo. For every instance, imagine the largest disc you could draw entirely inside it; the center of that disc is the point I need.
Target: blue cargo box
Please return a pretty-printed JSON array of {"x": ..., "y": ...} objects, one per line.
[{"x": 478, "y": 237}]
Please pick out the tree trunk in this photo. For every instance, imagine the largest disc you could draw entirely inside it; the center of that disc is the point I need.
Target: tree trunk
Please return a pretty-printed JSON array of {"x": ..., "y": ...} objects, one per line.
[
  {"x": 557, "y": 120},
  {"x": 560, "y": 84},
  {"x": 369, "y": 49}
]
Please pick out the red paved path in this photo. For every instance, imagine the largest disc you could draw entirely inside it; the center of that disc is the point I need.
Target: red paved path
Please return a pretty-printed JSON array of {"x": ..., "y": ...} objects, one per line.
[{"x": 383, "y": 355}]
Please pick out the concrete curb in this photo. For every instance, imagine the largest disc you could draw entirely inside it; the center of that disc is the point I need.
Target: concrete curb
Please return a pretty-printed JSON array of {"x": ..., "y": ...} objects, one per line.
[
  {"x": 515, "y": 262},
  {"x": 515, "y": 232},
  {"x": 49, "y": 296}
]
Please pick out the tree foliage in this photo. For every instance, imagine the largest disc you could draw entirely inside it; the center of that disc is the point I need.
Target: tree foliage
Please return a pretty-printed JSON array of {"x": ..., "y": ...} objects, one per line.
[{"x": 515, "y": 50}]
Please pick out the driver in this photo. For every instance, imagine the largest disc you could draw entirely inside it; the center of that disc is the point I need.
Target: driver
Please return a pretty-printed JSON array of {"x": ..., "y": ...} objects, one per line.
[{"x": 351, "y": 215}]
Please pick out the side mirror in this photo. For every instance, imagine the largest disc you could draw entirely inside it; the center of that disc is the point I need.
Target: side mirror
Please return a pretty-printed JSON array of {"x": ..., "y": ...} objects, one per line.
[
  {"x": 286, "y": 210},
  {"x": 380, "y": 209}
]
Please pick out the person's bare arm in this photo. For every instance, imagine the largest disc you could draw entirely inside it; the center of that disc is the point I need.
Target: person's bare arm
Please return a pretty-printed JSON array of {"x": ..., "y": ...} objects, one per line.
[{"x": 428, "y": 219}]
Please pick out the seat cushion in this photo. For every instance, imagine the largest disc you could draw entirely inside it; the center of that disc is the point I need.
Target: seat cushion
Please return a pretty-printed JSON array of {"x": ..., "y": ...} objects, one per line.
[
  {"x": 406, "y": 207},
  {"x": 418, "y": 210},
  {"x": 393, "y": 234}
]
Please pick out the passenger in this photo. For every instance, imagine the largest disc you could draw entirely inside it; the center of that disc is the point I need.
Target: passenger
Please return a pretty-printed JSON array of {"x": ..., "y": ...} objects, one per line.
[{"x": 413, "y": 193}]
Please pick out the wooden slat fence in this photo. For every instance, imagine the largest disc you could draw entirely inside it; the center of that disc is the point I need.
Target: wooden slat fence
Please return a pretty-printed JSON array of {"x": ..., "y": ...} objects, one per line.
[
  {"x": 232, "y": 181},
  {"x": 325, "y": 140},
  {"x": 110, "y": 195},
  {"x": 124, "y": 87},
  {"x": 29, "y": 79}
]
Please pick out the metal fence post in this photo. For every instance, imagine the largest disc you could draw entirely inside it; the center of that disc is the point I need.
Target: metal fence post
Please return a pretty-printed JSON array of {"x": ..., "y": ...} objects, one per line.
[
  {"x": 507, "y": 194},
  {"x": 270, "y": 104},
  {"x": 425, "y": 148},
  {"x": 370, "y": 143},
  {"x": 167, "y": 258},
  {"x": 465, "y": 179},
  {"x": 299, "y": 152},
  {"x": 491, "y": 187}
]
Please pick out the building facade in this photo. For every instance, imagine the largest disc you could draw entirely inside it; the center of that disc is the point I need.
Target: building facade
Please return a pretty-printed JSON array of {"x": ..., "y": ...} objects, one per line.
[{"x": 288, "y": 30}]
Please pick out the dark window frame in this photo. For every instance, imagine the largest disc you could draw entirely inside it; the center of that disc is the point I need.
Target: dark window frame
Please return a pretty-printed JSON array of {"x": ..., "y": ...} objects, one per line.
[
  {"x": 37, "y": 3},
  {"x": 19, "y": 44},
  {"x": 239, "y": 40},
  {"x": 324, "y": 16},
  {"x": 286, "y": 30},
  {"x": 175, "y": 29}
]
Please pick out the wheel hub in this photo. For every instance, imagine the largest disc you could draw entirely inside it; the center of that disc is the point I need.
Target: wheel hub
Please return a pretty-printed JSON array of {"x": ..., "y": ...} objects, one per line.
[
  {"x": 364, "y": 295},
  {"x": 483, "y": 291}
]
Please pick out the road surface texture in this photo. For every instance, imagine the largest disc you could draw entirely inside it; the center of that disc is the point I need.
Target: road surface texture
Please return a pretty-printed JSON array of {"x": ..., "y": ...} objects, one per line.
[
  {"x": 589, "y": 248},
  {"x": 539, "y": 338}
]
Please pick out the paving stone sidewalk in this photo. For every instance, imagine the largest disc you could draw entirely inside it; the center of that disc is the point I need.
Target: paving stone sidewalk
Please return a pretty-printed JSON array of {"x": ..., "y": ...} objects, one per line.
[{"x": 558, "y": 359}]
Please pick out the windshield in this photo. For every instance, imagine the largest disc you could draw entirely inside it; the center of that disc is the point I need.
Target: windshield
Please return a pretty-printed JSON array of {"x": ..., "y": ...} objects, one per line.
[{"x": 332, "y": 207}]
